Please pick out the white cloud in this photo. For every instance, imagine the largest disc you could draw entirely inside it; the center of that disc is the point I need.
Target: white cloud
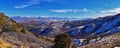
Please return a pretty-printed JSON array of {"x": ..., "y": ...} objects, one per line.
[
  {"x": 32, "y": 2},
  {"x": 112, "y": 11},
  {"x": 103, "y": 13},
  {"x": 65, "y": 10},
  {"x": 26, "y": 4},
  {"x": 109, "y": 12},
  {"x": 44, "y": 16},
  {"x": 69, "y": 10},
  {"x": 85, "y": 10},
  {"x": 22, "y": 6}
]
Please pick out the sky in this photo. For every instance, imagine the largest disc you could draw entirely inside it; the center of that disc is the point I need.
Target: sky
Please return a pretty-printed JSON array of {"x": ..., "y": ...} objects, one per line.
[{"x": 60, "y": 8}]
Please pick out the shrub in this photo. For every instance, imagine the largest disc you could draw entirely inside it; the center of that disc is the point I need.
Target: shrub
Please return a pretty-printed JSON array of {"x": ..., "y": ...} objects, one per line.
[
  {"x": 62, "y": 41},
  {"x": 23, "y": 31}
]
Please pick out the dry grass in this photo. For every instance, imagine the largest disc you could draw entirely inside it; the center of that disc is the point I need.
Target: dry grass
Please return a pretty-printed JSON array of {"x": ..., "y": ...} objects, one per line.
[
  {"x": 4, "y": 44},
  {"x": 9, "y": 24}
]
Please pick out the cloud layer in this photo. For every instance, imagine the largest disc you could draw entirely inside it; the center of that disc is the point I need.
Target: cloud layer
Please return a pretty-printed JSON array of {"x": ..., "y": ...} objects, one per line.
[
  {"x": 69, "y": 10},
  {"x": 111, "y": 11},
  {"x": 33, "y": 2},
  {"x": 108, "y": 12}
]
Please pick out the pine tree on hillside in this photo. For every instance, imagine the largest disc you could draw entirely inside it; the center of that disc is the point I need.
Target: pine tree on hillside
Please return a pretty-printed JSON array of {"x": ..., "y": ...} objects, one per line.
[{"x": 62, "y": 41}]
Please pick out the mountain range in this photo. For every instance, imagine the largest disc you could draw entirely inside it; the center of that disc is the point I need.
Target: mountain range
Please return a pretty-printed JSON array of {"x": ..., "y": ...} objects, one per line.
[
  {"x": 27, "y": 32},
  {"x": 77, "y": 29},
  {"x": 21, "y": 18},
  {"x": 100, "y": 26}
]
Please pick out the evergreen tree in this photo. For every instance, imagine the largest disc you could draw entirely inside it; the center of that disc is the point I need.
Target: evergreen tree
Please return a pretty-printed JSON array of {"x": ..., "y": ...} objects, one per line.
[{"x": 62, "y": 41}]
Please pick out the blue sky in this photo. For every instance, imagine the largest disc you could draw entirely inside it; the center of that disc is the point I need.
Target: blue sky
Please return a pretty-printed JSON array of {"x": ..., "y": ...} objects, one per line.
[{"x": 60, "y": 8}]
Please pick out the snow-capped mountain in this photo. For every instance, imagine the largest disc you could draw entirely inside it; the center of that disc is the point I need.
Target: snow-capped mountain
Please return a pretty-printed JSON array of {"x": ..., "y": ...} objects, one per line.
[
  {"x": 24, "y": 18},
  {"x": 76, "y": 29},
  {"x": 105, "y": 25}
]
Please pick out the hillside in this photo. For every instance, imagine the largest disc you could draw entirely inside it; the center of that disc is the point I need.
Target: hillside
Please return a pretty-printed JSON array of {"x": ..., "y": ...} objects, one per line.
[
  {"x": 88, "y": 30},
  {"x": 109, "y": 41},
  {"x": 9, "y": 24},
  {"x": 99, "y": 26},
  {"x": 13, "y": 35}
]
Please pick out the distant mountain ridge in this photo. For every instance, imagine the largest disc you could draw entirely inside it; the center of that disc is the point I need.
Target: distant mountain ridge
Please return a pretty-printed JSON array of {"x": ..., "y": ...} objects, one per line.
[
  {"x": 20, "y": 18},
  {"x": 99, "y": 26}
]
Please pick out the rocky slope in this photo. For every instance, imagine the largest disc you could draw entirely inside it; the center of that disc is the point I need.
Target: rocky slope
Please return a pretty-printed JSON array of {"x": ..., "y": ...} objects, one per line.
[
  {"x": 109, "y": 41},
  {"x": 13, "y": 35}
]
